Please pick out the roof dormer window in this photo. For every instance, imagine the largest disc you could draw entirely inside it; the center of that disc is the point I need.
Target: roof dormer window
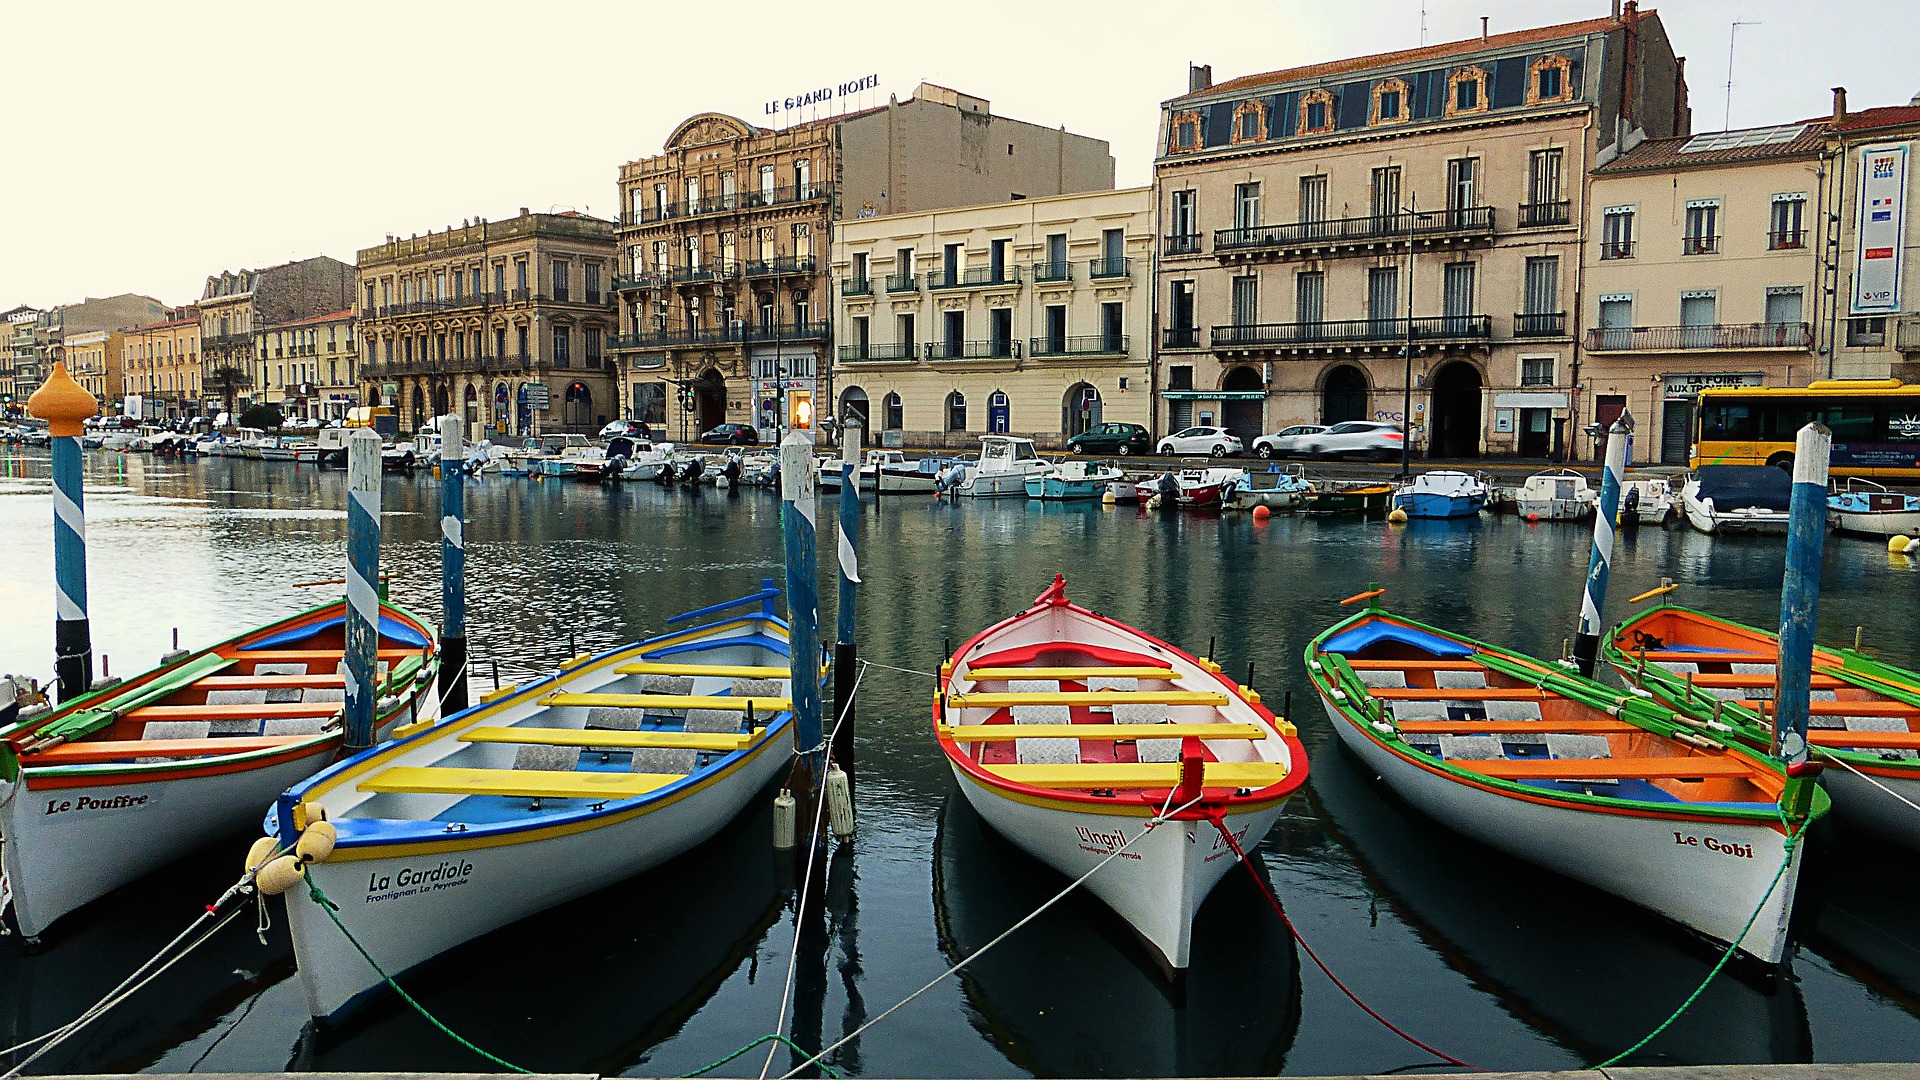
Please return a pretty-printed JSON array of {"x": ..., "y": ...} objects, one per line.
[
  {"x": 1466, "y": 92},
  {"x": 1316, "y": 112},
  {"x": 1549, "y": 80},
  {"x": 1249, "y": 121},
  {"x": 1390, "y": 101}
]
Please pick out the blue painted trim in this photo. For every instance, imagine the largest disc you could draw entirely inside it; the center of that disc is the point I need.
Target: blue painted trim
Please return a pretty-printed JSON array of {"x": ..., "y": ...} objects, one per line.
[
  {"x": 764, "y": 598},
  {"x": 390, "y": 628}
]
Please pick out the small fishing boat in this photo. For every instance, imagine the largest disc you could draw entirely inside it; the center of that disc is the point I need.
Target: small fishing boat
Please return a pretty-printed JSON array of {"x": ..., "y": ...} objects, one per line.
[
  {"x": 1606, "y": 788},
  {"x": 1283, "y": 494},
  {"x": 1070, "y": 732},
  {"x": 639, "y": 458},
  {"x": 1005, "y": 463},
  {"x": 1864, "y": 714},
  {"x": 1443, "y": 493},
  {"x": 1561, "y": 495},
  {"x": 1360, "y": 498},
  {"x": 1073, "y": 480},
  {"x": 122, "y": 781},
  {"x": 331, "y": 446},
  {"x": 1646, "y": 500},
  {"x": 1200, "y": 487},
  {"x": 869, "y": 470},
  {"x": 539, "y": 794},
  {"x": 1869, "y": 509},
  {"x": 1738, "y": 498},
  {"x": 920, "y": 477},
  {"x": 562, "y": 455},
  {"x": 1127, "y": 491},
  {"x": 760, "y": 468}
]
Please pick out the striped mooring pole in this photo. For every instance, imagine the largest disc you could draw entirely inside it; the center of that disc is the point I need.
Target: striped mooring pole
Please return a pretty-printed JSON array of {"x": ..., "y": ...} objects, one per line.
[
  {"x": 1606, "y": 521},
  {"x": 363, "y": 586},
  {"x": 797, "y": 521},
  {"x": 453, "y": 566},
  {"x": 66, "y": 407},
  {"x": 846, "y": 656},
  {"x": 1800, "y": 595}
]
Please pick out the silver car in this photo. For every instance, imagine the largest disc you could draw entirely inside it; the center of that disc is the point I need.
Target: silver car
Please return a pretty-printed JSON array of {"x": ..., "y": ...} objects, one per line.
[
  {"x": 1286, "y": 442},
  {"x": 1216, "y": 441},
  {"x": 1358, "y": 438}
]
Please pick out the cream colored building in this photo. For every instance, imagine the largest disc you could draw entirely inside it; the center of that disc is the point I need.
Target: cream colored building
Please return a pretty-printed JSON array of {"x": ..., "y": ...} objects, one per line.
[
  {"x": 308, "y": 366},
  {"x": 1029, "y": 317},
  {"x": 1866, "y": 335},
  {"x": 93, "y": 359},
  {"x": 235, "y": 304},
  {"x": 161, "y": 364},
  {"x": 1701, "y": 270},
  {"x": 1319, "y": 222}
]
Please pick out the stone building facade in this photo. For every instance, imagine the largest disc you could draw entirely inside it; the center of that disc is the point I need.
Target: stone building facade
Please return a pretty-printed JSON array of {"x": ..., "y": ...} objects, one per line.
[
  {"x": 235, "y": 304},
  {"x": 19, "y": 360},
  {"x": 1320, "y": 223},
  {"x": 308, "y": 366},
  {"x": 504, "y": 322},
  {"x": 93, "y": 359},
  {"x": 161, "y": 365}
]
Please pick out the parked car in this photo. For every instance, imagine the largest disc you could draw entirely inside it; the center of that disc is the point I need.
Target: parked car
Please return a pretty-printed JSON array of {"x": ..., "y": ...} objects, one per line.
[
  {"x": 1122, "y": 439},
  {"x": 731, "y": 435},
  {"x": 1357, "y": 438},
  {"x": 628, "y": 429},
  {"x": 1217, "y": 441},
  {"x": 1286, "y": 442}
]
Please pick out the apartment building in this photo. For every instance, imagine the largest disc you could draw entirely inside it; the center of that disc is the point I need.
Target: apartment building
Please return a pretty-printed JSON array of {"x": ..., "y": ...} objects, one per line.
[
  {"x": 93, "y": 359},
  {"x": 1872, "y": 263},
  {"x": 725, "y": 290},
  {"x": 19, "y": 360},
  {"x": 307, "y": 366},
  {"x": 1030, "y": 317},
  {"x": 54, "y": 329},
  {"x": 1346, "y": 239},
  {"x": 160, "y": 365},
  {"x": 235, "y": 304},
  {"x": 505, "y": 322}
]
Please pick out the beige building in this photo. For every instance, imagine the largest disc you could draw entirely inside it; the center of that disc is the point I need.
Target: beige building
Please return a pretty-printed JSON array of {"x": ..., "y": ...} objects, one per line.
[
  {"x": 1872, "y": 323},
  {"x": 235, "y": 304},
  {"x": 161, "y": 365},
  {"x": 93, "y": 359},
  {"x": 308, "y": 366},
  {"x": 19, "y": 360},
  {"x": 1289, "y": 203},
  {"x": 1701, "y": 270},
  {"x": 725, "y": 291},
  {"x": 1029, "y": 317},
  {"x": 505, "y": 322}
]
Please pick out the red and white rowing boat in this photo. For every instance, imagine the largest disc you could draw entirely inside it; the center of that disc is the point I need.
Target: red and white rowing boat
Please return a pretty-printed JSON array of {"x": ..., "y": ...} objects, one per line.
[{"x": 1071, "y": 733}]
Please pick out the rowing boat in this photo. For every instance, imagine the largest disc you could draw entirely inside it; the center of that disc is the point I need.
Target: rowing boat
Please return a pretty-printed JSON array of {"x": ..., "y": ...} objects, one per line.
[
  {"x": 1070, "y": 733},
  {"x": 539, "y": 794},
  {"x": 124, "y": 780},
  {"x": 1864, "y": 715},
  {"x": 1606, "y": 788}
]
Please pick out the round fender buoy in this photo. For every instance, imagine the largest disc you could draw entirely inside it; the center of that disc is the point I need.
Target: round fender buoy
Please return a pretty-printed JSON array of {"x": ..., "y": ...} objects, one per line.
[
  {"x": 1899, "y": 544},
  {"x": 1533, "y": 519},
  {"x": 279, "y": 875},
  {"x": 263, "y": 849},
  {"x": 1397, "y": 517},
  {"x": 1107, "y": 499},
  {"x": 316, "y": 843},
  {"x": 1262, "y": 513}
]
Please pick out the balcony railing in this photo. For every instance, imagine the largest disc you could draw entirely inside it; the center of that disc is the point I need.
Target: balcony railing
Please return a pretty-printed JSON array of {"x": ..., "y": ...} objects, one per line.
[
  {"x": 1089, "y": 345},
  {"x": 977, "y": 277},
  {"x": 1470, "y": 221},
  {"x": 1795, "y": 335},
  {"x": 780, "y": 265},
  {"x": 1435, "y": 329},
  {"x": 645, "y": 279},
  {"x": 726, "y": 204},
  {"x": 1112, "y": 267},
  {"x": 854, "y": 354},
  {"x": 902, "y": 283},
  {"x": 520, "y": 296},
  {"x": 711, "y": 271},
  {"x": 1180, "y": 337},
  {"x": 1699, "y": 245},
  {"x": 794, "y": 331},
  {"x": 1537, "y": 324},
  {"x": 1790, "y": 240},
  {"x": 856, "y": 286},
  {"x": 1181, "y": 244},
  {"x": 1616, "y": 249},
  {"x": 1542, "y": 215},
  {"x": 973, "y": 350},
  {"x": 1052, "y": 271}
]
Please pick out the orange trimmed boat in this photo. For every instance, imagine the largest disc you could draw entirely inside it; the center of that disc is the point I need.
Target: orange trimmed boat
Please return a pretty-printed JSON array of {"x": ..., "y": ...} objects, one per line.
[
  {"x": 119, "y": 782},
  {"x": 1071, "y": 734}
]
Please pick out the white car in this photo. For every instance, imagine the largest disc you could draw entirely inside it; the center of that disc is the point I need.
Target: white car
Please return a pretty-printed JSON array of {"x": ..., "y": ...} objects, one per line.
[
  {"x": 1357, "y": 438},
  {"x": 1286, "y": 442},
  {"x": 1215, "y": 441}
]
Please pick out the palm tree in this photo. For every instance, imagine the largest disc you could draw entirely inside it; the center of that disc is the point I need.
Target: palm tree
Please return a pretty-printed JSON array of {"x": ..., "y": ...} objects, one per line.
[{"x": 225, "y": 380}]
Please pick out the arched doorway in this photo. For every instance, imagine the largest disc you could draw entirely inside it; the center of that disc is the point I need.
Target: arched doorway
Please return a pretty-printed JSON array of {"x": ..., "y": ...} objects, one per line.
[
  {"x": 1245, "y": 416},
  {"x": 956, "y": 411},
  {"x": 1454, "y": 428},
  {"x": 419, "y": 416},
  {"x": 853, "y": 407},
  {"x": 710, "y": 400},
  {"x": 500, "y": 400},
  {"x": 999, "y": 413},
  {"x": 472, "y": 404},
  {"x": 1080, "y": 409},
  {"x": 442, "y": 401},
  {"x": 578, "y": 414},
  {"x": 896, "y": 412},
  {"x": 1343, "y": 396}
]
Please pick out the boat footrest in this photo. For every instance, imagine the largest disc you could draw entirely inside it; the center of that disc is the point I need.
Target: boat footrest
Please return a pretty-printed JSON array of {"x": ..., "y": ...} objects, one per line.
[
  {"x": 766, "y": 705},
  {"x": 295, "y": 710},
  {"x": 98, "y": 752},
  {"x": 1101, "y": 732},
  {"x": 608, "y": 739},
  {"x": 524, "y": 783},
  {"x": 1087, "y": 697},
  {"x": 1215, "y": 774},
  {"x": 1660, "y": 768},
  {"x": 997, "y": 674}
]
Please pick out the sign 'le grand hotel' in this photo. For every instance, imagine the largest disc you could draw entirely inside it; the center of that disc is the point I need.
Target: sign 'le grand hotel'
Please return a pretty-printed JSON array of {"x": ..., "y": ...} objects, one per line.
[{"x": 823, "y": 95}]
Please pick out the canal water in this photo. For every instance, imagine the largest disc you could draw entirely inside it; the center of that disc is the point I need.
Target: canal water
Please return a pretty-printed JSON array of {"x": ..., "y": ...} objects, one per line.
[{"x": 1483, "y": 956}]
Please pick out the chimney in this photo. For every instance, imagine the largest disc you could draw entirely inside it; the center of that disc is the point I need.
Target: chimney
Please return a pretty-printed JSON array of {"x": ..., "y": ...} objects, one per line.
[
  {"x": 1632, "y": 11},
  {"x": 1616, "y": 10},
  {"x": 1483, "y": 29},
  {"x": 523, "y": 211},
  {"x": 1839, "y": 105},
  {"x": 1199, "y": 77}
]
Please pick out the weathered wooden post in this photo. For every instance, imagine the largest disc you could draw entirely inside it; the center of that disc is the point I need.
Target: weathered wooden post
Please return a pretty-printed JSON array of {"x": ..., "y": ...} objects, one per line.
[
  {"x": 797, "y": 518},
  {"x": 1800, "y": 596},
  {"x": 66, "y": 406},
  {"x": 453, "y": 567},
  {"x": 363, "y": 586},
  {"x": 845, "y": 655},
  {"x": 1606, "y": 520}
]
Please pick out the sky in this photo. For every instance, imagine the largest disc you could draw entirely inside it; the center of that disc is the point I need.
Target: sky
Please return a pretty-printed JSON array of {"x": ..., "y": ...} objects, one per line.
[{"x": 156, "y": 142}]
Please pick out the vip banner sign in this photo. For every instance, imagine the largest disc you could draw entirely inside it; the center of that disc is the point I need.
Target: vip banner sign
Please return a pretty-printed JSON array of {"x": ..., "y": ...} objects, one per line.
[{"x": 1881, "y": 235}]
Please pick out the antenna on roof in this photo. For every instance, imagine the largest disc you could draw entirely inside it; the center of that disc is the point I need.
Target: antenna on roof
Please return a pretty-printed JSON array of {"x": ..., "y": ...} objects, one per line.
[
  {"x": 1423, "y": 24},
  {"x": 1726, "y": 121}
]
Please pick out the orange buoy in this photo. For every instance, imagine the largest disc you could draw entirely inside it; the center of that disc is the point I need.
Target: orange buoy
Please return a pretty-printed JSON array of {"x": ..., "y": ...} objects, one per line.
[
  {"x": 1533, "y": 519},
  {"x": 1261, "y": 513}
]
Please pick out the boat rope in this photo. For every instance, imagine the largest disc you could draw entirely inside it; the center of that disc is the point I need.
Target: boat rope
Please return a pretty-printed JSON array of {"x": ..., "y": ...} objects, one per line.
[
  {"x": 781, "y": 1039},
  {"x": 1158, "y": 819},
  {"x": 1792, "y": 841},
  {"x": 1847, "y": 765},
  {"x": 902, "y": 670},
  {"x": 320, "y": 899},
  {"x": 1273, "y": 901}
]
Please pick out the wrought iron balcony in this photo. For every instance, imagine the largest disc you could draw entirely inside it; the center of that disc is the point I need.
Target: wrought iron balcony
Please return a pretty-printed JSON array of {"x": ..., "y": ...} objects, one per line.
[
  {"x": 1795, "y": 336},
  {"x": 1543, "y": 215},
  {"x": 780, "y": 265},
  {"x": 725, "y": 203},
  {"x": 1089, "y": 345},
  {"x": 854, "y": 354},
  {"x": 1616, "y": 249},
  {"x": 1052, "y": 271},
  {"x": 226, "y": 341},
  {"x": 1371, "y": 334},
  {"x": 708, "y": 271},
  {"x": 1180, "y": 337},
  {"x": 1181, "y": 244},
  {"x": 902, "y": 283},
  {"x": 1790, "y": 240},
  {"x": 1699, "y": 245},
  {"x": 1538, "y": 324},
  {"x": 976, "y": 278},
  {"x": 1358, "y": 233},
  {"x": 644, "y": 279},
  {"x": 789, "y": 331},
  {"x": 1113, "y": 267},
  {"x": 973, "y": 350},
  {"x": 520, "y": 296},
  {"x": 856, "y": 286}
]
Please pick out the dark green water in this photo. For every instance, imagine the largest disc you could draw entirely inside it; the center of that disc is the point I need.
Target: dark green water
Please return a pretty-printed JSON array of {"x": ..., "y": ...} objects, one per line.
[{"x": 1489, "y": 959}]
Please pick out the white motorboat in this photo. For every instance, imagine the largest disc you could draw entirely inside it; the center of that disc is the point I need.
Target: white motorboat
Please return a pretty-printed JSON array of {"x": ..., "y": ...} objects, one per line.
[
  {"x": 1282, "y": 494},
  {"x": 920, "y": 477},
  {"x": 869, "y": 471},
  {"x": 1738, "y": 498},
  {"x": 1646, "y": 500},
  {"x": 1562, "y": 495},
  {"x": 1005, "y": 463},
  {"x": 1869, "y": 509},
  {"x": 643, "y": 460}
]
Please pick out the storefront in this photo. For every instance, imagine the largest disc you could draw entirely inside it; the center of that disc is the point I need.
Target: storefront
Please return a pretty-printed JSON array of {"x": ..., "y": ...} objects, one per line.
[
  {"x": 1530, "y": 416},
  {"x": 784, "y": 387},
  {"x": 1678, "y": 393},
  {"x": 1241, "y": 409}
]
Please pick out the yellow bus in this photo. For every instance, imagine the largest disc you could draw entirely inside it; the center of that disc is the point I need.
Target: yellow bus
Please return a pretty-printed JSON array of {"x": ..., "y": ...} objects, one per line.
[{"x": 1875, "y": 424}]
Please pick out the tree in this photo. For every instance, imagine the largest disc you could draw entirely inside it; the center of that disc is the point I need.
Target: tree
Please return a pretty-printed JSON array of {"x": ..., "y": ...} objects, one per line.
[
  {"x": 266, "y": 417},
  {"x": 225, "y": 381}
]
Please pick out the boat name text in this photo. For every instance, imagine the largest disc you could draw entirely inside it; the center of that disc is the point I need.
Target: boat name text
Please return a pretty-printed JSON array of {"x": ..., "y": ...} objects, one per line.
[
  {"x": 411, "y": 881},
  {"x": 84, "y": 802},
  {"x": 1738, "y": 851},
  {"x": 1104, "y": 843}
]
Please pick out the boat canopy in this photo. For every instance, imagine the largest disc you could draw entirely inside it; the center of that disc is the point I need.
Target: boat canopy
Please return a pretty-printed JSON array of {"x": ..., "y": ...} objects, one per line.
[
  {"x": 1006, "y": 448},
  {"x": 1379, "y": 631},
  {"x": 1733, "y": 487}
]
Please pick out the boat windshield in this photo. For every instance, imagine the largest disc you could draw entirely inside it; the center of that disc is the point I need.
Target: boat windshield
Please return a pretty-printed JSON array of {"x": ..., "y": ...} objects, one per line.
[{"x": 1023, "y": 451}]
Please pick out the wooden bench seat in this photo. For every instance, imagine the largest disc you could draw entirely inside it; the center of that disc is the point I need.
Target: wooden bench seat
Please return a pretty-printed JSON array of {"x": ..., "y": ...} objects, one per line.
[
  {"x": 1457, "y": 693},
  {"x": 1865, "y": 740},
  {"x": 1217, "y": 774},
  {"x": 271, "y": 682},
  {"x": 106, "y": 750},
  {"x": 664, "y": 702},
  {"x": 1660, "y": 768},
  {"x": 1086, "y": 697},
  {"x": 607, "y": 739},
  {"x": 310, "y": 656},
  {"x": 998, "y": 674},
  {"x": 291, "y": 711},
  {"x": 721, "y": 671},
  {"x": 1685, "y": 656},
  {"x": 1101, "y": 732},
  {"x": 1415, "y": 665},
  {"x": 1706, "y": 679},
  {"x": 523, "y": 783},
  {"x": 1516, "y": 727}
]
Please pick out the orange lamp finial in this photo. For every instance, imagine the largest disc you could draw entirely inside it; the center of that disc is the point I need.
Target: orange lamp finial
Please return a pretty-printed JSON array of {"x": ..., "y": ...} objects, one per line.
[{"x": 64, "y": 404}]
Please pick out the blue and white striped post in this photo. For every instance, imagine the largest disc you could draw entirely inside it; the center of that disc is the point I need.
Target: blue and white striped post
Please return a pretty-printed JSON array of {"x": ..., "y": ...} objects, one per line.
[
  {"x": 453, "y": 566},
  {"x": 1606, "y": 521},
  {"x": 1800, "y": 594},
  {"x": 66, "y": 406},
  {"x": 797, "y": 521},
  {"x": 363, "y": 586},
  {"x": 845, "y": 656}
]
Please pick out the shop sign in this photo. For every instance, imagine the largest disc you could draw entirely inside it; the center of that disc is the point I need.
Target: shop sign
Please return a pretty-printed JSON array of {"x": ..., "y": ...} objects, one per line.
[{"x": 1689, "y": 384}]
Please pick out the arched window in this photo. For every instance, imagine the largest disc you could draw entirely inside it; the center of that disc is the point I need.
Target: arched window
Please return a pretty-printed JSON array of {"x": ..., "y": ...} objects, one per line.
[
  {"x": 896, "y": 413},
  {"x": 579, "y": 403},
  {"x": 1249, "y": 121},
  {"x": 472, "y": 408},
  {"x": 1466, "y": 91},
  {"x": 1186, "y": 132},
  {"x": 956, "y": 411},
  {"x": 1316, "y": 112}
]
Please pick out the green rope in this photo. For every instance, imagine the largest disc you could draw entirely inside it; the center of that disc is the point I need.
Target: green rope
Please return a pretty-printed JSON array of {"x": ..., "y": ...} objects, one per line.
[
  {"x": 761, "y": 1041},
  {"x": 1793, "y": 839}
]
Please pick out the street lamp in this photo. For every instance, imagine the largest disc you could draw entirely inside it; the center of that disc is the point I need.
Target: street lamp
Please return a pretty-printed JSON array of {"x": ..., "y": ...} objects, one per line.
[{"x": 1406, "y": 385}]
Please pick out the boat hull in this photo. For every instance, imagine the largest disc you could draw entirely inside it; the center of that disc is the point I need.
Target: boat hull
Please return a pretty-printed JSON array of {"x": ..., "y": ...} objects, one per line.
[
  {"x": 1056, "y": 488},
  {"x": 1428, "y": 504},
  {"x": 1344, "y": 502},
  {"x": 1709, "y": 521},
  {"x": 1553, "y": 509},
  {"x": 1881, "y": 523},
  {"x": 996, "y": 485}
]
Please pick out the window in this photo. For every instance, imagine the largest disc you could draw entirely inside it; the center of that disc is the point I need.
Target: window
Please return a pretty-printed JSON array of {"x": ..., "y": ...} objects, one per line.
[
  {"x": 520, "y": 276},
  {"x": 1543, "y": 178},
  {"x": 590, "y": 275},
  {"x": 766, "y": 244},
  {"x": 1386, "y": 191},
  {"x": 661, "y": 206},
  {"x": 368, "y": 310},
  {"x": 1246, "y": 300},
  {"x": 693, "y": 253},
  {"x": 1463, "y": 176},
  {"x": 1698, "y": 311},
  {"x": 1113, "y": 326},
  {"x": 1457, "y": 294},
  {"x": 591, "y": 343},
  {"x": 1313, "y": 197},
  {"x": 861, "y": 262},
  {"x": 1000, "y": 332},
  {"x": 803, "y": 179},
  {"x": 561, "y": 287},
  {"x": 1249, "y": 121},
  {"x": 1783, "y": 304},
  {"x": 903, "y": 332},
  {"x": 1467, "y": 91},
  {"x": 1186, "y": 132},
  {"x": 956, "y": 411},
  {"x": 955, "y": 329},
  {"x": 1316, "y": 112},
  {"x": 1867, "y": 332},
  {"x": 1309, "y": 296},
  {"x": 1616, "y": 232},
  {"x": 1246, "y": 206},
  {"x": 1784, "y": 229},
  {"x": 1547, "y": 82},
  {"x": 1055, "y": 320},
  {"x": 1185, "y": 237},
  {"x": 997, "y": 258},
  {"x": 1180, "y": 377},
  {"x": 1703, "y": 227},
  {"x": 1543, "y": 285},
  {"x": 766, "y": 185},
  {"x": 1389, "y": 101},
  {"x": 862, "y": 337},
  {"x": 893, "y": 412},
  {"x": 1383, "y": 297},
  {"x": 1536, "y": 370},
  {"x": 693, "y": 194},
  {"x": 562, "y": 347},
  {"x": 803, "y": 245}
]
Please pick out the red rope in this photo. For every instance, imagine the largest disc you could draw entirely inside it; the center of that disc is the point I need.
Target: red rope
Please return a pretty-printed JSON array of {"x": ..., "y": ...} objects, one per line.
[{"x": 1274, "y": 902}]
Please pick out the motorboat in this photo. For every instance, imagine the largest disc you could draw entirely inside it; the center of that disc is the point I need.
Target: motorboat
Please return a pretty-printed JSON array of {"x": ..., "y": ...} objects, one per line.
[
  {"x": 563, "y": 456},
  {"x": 1560, "y": 495},
  {"x": 1443, "y": 493},
  {"x": 1869, "y": 509},
  {"x": 919, "y": 477},
  {"x": 632, "y": 458},
  {"x": 1646, "y": 500},
  {"x": 1073, "y": 481},
  {"x": 1201, "y": 487},
  {"x": 1005, "y": 463},
  {"x": 1283, "y": 493},
  {"x": 830, "y": 467},
  {"x": 1127, "y": 491},
  {"x": 1738, "y": 499},
  {"x": 1368, "y": 499}
]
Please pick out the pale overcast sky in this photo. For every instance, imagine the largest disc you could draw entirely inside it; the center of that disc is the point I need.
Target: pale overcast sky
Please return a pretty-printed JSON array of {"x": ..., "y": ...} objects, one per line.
[{"x": 154, "y": 142}]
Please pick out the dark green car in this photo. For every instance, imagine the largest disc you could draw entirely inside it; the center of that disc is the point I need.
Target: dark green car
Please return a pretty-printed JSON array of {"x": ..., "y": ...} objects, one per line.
[{"x": 1121, "y": 439}]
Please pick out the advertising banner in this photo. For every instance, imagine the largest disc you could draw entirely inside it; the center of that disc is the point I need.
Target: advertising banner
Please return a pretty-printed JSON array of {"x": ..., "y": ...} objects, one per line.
[{"x": 1881, "y": 234}]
